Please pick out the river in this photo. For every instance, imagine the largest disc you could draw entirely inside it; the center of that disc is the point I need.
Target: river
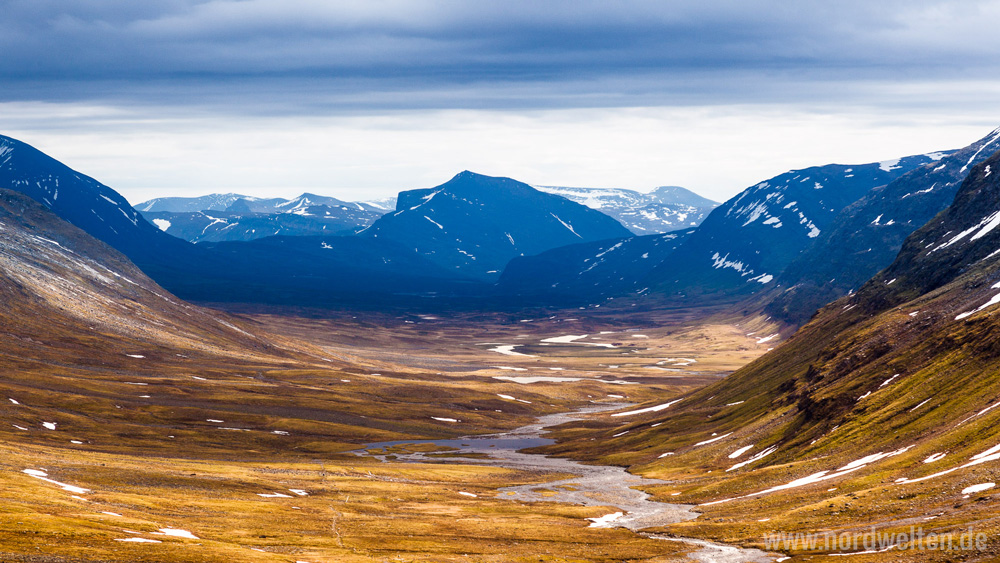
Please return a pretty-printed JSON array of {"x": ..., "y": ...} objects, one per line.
[{"x": 593, "y": 485}]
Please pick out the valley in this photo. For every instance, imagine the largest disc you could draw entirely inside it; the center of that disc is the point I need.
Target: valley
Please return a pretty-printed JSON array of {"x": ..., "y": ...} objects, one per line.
[
  {"x": 250, "y": 453},
  {"x": 383, "y": 396},
  {"x": 499, "y": 282}
]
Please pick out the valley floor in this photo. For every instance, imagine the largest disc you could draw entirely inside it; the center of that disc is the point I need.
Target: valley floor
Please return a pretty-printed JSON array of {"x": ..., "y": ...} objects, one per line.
[{"x": 165, "y": 453}]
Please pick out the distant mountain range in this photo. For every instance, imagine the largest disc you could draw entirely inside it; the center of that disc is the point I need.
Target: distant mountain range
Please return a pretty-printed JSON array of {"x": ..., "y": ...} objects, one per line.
[
  {"x": 223, "y": 202},
  {"x": 305, "y": 271},
  {"x": 475, "y": 224},
  {"x": 665, "y": 209},
  {"x": 234, "y": 217},
  {"x": 794, "y": 241},
  {"x": 741, "y": 247},
  {"x": 437, "y": 243}
]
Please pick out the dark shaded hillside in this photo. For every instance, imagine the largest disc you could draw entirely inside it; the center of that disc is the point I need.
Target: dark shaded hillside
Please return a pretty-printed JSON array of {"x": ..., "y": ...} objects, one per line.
[
  {"x": 218, "y": 226},
  {"x": 322, "y": 271},
  {"x": 590, "y": 270}
]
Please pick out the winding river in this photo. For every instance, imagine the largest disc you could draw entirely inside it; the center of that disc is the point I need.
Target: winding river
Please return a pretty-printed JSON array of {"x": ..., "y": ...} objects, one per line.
[{"x": 593, "y": 485}]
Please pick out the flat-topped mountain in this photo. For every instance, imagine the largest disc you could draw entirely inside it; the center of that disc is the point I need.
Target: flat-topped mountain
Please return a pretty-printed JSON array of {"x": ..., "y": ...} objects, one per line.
[
  {"x": 233, "y": 217},
  {"x": 476, "y": 224}
]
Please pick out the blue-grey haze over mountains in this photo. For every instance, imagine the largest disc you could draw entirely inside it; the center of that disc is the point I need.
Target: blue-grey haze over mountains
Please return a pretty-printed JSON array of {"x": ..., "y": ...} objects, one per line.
[{"x": 364, "y": 99}]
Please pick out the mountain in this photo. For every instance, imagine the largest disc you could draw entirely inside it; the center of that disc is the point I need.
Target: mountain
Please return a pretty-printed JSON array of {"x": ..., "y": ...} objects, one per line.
[
  {"x": 882, "y": 409},
  {"x": 306, "y": 272},
  {"x": 75, "y": 294},
  {"x": 232, "y": 217},
  {"x": 211, "y": 202},
  {"x": 93, "y": 207},
  {"x": 866, "y": 236},
  {"x": 384, "y": 204},
  {"x": 476, "y": 224},
  {"x": 590, "y": 270},
  {"x": 250, "y": 204},
  {"x": 748, "y": 241},
  {"x": 665, "y": 209},
  {"x": 236, "y": 224}
]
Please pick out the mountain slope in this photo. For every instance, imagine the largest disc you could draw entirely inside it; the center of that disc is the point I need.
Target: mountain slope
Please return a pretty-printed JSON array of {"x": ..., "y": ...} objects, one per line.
[
  {"x": 276, "y": 272},
  {"x": 476, "y": 224},
  {"x": 665, "y": 209},
  {"x": 53, "y": 274},
  {"x": 590, "y": 270},
  {"x": 866, "y": 236},
  {"x": 749, "y": 240},
  {"x": 86, "y": 203},
  {"x": 883, "y": 406}
]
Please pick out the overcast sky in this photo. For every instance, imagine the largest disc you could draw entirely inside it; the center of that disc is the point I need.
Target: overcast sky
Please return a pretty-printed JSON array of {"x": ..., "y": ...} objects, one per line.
[{"x": 362, "y": 99}]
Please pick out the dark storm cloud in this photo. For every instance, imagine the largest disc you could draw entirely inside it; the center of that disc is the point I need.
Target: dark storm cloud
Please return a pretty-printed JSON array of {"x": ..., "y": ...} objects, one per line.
[{"x": 284, "y": 55}]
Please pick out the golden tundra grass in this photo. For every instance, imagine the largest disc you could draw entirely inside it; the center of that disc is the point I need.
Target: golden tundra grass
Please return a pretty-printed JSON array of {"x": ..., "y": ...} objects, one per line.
[{"x": 143, "y": 436}]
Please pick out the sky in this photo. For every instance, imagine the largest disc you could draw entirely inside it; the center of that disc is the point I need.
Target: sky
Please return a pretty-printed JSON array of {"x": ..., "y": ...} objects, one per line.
[{"x": 362, "y": 99}]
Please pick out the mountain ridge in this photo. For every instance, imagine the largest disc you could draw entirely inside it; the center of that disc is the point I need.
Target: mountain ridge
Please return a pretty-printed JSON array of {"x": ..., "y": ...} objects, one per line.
[{"x": 867, "y": 235}]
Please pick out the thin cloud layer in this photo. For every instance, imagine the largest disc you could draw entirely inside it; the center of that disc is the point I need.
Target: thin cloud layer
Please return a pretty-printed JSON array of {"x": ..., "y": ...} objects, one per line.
[{"x": 279, "y": 56}]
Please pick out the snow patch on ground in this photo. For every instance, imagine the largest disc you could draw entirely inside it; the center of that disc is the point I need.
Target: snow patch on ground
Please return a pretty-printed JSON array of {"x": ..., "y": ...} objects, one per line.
[
  {"x": 44, "y": 476},
  {"x": 822, "y": 475},
  {"x": 993, "y": 301},
  {"x": 509, "y": 398},
  {"x": 712, "y": 440},
  {"x": 508, "y": 350},
  {"x": 756, "y": 457},
  {"x": 177, "y": 533},
  {"x": 992, "y": 454},
  {"x": 564, "y": 339},
  {"x": 978, "y": 488},
  {"x": 605, "y": 521},
  {"x": 656, "y": 408},
  {"x": 740, "y": 451}
]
